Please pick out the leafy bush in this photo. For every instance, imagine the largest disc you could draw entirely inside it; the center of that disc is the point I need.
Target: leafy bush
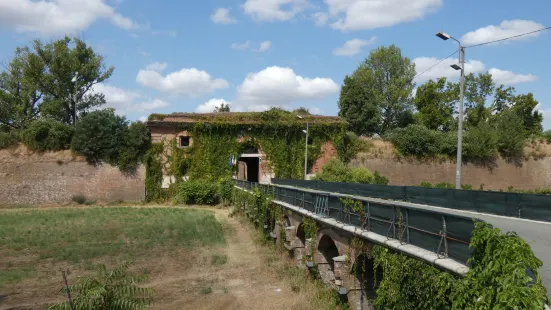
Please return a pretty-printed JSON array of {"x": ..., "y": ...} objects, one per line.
[
  {"x": 8, "y": 139},
  {"x": 426, "y": 184},
  {"x": 104, "y": 136},
  {"x": 480, "y": 142},
  {"x": 511, "y": 135},
  {"x": 198, "y": 192},
  {"x": 109, "y": 289},
  {"x": 445, "y": 185},
  {"x": 448, "y": 143},
  {"x": 416, "y": 140},
  {"x": 226, "y": 189},
  {"x": 361, "y": 175},
  {"x": 337, "y": 171},
  {"x": 47, "y": 135},
  {"x": 547, "y": 136},
  {"x": 80, "y": 199},
  {"x": 379, "y": 179}
]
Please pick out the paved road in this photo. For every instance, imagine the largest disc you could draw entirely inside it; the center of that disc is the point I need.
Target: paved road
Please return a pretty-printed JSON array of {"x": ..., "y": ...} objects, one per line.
[{"x": 537, "y": 234}]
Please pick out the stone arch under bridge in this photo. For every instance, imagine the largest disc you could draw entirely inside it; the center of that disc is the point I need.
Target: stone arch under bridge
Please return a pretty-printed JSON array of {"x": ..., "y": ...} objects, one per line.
[{"x": 339, "y": 265}]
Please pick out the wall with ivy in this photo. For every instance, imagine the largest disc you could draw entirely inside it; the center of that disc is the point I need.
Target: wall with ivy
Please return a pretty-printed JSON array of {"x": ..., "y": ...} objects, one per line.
[{"x": 278, "y": 133}]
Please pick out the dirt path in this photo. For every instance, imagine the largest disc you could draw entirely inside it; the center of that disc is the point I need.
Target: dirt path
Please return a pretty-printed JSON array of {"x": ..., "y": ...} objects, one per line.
[{"x": 244, "y": 282}]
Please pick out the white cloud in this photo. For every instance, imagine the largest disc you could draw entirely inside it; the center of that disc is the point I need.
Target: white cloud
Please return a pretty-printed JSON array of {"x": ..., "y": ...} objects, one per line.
[
  {"x": 444, "y": 69},
  {"x": 247, "y": 45},
  {"x": 211, "y": 105},
  {"x": 276, "y": 86},
  {"x": 274, "y": 10},
  {"x": 242, "y": 46},
  {"x": 372, "y": 14},
  {"x": 320, "y": 18},
  {"x": 509, "y": 77},
  {"x": 507, "y": 28},
  {"x": 126, "y": 101},
  {"x": 222, "y": 16},
  {"x": 143, "y": 119},
  {"x": 157, "y": 66},
  {"x": 58, "y": 17},
  {"x": 190, "y": 82},
  {"x": 264, "y": 46},
  {"x": 353, "y": 47}
]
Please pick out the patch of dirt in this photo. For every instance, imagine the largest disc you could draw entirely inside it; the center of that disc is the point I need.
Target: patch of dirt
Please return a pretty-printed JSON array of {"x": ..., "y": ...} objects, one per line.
[{"x": 19, "y": 153}]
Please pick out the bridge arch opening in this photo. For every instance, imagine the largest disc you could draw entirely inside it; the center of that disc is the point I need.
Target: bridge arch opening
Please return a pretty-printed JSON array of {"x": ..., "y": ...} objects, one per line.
[
  {"x": 328, "y": 249},
  {"x": 301, "y": 235},
  {"x": 367, "y": 280}
]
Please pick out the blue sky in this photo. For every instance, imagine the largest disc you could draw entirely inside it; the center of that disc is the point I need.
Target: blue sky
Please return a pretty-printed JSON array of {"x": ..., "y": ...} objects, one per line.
[{"x": 185, "y": 56}]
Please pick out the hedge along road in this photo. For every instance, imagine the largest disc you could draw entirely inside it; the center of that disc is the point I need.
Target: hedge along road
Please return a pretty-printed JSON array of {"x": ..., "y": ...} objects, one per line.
[{"x": 537, "y": 234}]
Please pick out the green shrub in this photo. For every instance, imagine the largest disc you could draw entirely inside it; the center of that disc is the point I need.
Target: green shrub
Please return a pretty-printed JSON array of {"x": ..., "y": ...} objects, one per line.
[
  {"x": 379, "y": 179},
  {"x": 8, "y": 139},
  {"x": 335, "y": 171},
  {"x": 547, "y": 136},
  {"x": 426, "y": 184},
  {"x": 416, "y": 140},
  {"x": 47, "y": 135},
  {"x": 80, "y": 199},
  {"x": 225, "y": 189},
  {"x": 480, "y": 142},
  {"x": 198, "y": 192},
  {"x": 444, "y": 185},
  {"x": 103, "y": 136},
  {"x": 448, "y": 143},
  {"x": 361, "y": 175},
  {"x": 511, "y": 135}
]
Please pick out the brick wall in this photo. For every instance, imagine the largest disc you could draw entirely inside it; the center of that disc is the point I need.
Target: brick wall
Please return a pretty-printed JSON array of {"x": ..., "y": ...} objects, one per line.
[
  {"x": 52, "y": 178},
  {"x": 529, "y": 175},
  {"x": 328, "y": 152}
]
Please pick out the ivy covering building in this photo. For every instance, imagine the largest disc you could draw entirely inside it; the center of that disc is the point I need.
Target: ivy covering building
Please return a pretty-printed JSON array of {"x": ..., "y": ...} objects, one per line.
[{"x": 254, "y": 146}]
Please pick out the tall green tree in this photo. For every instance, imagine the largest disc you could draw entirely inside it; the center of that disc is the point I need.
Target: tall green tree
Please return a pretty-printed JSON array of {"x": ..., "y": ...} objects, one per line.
[
  {"x": 377, "y": 98},
  {"x": 222, "y": 108},
  {"x": 65, "y": 72},
  {"x": 19, "y": 96},
  {"x": 435, "y": 103},
  {"x": 477, "y": 89}
]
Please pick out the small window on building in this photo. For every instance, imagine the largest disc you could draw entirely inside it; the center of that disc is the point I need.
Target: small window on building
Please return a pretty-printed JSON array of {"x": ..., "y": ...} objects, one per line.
[
  {"x": 184, "y": 141},
  {"x": 310, "y": 141}
]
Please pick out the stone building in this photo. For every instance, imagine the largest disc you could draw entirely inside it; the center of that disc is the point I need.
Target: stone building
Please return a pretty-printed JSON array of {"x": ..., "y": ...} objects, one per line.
[{"x": 252, "y": 162}]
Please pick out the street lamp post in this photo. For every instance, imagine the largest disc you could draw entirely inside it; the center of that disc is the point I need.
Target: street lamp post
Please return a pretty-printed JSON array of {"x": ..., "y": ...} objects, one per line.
[
  {"x": 305, "y": 150},
  {"x": 73, "y": 98},
  {"x": 461, "y": 66}
]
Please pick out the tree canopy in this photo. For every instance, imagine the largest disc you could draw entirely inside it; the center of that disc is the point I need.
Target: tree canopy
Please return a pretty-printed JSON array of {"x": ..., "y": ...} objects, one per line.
[{"x": 377, "y": 97}]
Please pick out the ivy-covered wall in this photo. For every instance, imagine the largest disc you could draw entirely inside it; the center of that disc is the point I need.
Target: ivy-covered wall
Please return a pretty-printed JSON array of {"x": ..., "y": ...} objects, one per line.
[{"x": 218, "y": 136}]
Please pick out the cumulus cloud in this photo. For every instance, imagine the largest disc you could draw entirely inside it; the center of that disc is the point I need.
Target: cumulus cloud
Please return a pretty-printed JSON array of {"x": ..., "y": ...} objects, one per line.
[
  {"x": 372, "y": 14},
  {"x": 274, "y": 10},
  {"x": 509, "y": 77},
  {"x": 444, "y": 69},
  {"x": 352, "y": 47},
  {"x": 211, "y": 105},
  {"x": 222, "y": 16},
  {"x": 143, "y": 119},
  {"x": 507, "y": 28},
  {"x": 277, "y": 86},
  {"x": 58, "y": 17},
  {"x": 157, "y": 66},
  {"x": 127, "y": 101},
  {"x": 191, "y": 82},
  {"x": 472, "y": 66}
]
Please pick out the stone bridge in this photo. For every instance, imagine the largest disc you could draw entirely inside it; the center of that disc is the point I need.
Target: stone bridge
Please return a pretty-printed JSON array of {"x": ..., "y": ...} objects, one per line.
[{"x": 339, "y": 252}]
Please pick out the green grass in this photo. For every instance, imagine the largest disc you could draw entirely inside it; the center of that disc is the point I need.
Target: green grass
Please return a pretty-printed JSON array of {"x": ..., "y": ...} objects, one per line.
[
  {"x": 219, "y": 259},
  {"x": 205, "y": 290},
  {"x": 79, "y": 235},
  {"x": 13, "y": 275}
]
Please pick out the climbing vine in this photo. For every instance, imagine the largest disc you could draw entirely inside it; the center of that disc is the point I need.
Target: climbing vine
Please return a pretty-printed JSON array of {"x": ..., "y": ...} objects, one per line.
[
  {"x": 311, "y": 228},
  {"x": 153, "y": 172},
  {"x": 279, "y": 133}
]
